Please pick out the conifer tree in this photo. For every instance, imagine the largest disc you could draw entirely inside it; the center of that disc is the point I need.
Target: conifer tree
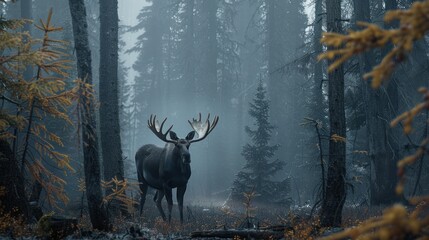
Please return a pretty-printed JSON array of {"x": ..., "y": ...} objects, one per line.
[
  {"x": 260, "y": 168},
  {"x": 28, "y": 145},
  {"x": 150, "y": 62}
]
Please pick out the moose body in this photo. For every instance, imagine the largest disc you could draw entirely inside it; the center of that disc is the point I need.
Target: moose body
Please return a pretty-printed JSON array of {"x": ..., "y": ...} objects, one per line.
[
  {"x": 168, "y": 167},
  {"x": 160, "y": 166}
]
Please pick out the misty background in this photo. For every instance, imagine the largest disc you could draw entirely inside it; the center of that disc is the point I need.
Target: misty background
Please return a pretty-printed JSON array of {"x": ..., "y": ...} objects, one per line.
[
  {"x": 181, "y": 58},
  {"x": 242, "y": 62}
]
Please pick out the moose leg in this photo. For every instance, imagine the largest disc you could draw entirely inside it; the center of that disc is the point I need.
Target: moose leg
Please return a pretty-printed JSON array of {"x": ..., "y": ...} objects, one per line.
[
  {"x": 180, "y": 193},
  {"x": 160, "y": 196},
  {"x": 169, "y": 197},
  {"x": 143, "y": 188}
]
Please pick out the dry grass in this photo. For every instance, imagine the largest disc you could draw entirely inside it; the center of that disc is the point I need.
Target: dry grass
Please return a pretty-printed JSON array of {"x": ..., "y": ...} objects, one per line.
[{"x": 13, "y": 226}]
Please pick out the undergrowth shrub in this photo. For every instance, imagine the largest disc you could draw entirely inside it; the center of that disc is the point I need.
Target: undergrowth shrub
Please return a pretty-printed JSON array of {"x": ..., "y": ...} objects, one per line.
[{"x": 13, "y": 225}]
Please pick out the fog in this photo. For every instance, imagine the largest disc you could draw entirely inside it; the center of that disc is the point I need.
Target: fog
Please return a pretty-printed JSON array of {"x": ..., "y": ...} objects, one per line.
[
  {"x": 223, "y": 89},
  {"x": 178, "y": 59}
]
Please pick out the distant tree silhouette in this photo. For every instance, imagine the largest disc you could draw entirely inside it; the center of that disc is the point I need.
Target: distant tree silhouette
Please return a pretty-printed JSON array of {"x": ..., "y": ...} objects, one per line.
[{"x": 259, "y": 169}]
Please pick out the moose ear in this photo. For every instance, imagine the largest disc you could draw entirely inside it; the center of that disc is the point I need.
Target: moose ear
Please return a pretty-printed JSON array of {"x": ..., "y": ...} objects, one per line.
[
  {"x": 190, "y": 136},
  {"x": 173, "y": 136}
]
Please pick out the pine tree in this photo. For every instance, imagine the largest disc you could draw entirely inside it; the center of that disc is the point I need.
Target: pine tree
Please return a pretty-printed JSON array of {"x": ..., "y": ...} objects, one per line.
[
  {"x": 29, "y": 147},
  {"x": 148, "y": 86},
  {"x": 260, "y": 168}
]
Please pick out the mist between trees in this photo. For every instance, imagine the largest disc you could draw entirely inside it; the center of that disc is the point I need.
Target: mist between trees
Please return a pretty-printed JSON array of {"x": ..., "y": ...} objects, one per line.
[{"x": 182, "y": 58}]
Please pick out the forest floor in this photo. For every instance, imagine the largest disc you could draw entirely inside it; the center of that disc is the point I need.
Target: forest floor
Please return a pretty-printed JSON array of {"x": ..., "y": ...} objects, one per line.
[{"x": 286, "y": 224}]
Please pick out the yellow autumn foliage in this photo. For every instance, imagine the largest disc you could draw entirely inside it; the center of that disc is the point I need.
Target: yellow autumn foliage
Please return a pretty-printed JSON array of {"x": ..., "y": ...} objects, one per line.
[
  {"x": 119, "y": 189},
  {"x": 396, "y": 222},
  {"x": 414, "y": 23},
  {"x": 27, "y": 102}
]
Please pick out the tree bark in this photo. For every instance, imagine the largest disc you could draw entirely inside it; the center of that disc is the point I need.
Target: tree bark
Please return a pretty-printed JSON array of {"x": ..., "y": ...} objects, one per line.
[
  {"x": 382, "y": 105},
  {"x": 206, "y": 79},
  {"x": 276, "y": 61},
  {"x": 12, "y": 194},
  {"x": 318, "y": 102},
  {"x": 27, "y": 13},
  {"x": 94, "y": 195},
  {"x": 332, "y": 204},
  {"x": 189, "y": 57},
  {"x": 109, "y": 92},
  {"x": 36, "y": 191},
  {"x": 419, "y": 62},
  {"x": 208, "y": 84},
  {"x": 154, "y": 52}
]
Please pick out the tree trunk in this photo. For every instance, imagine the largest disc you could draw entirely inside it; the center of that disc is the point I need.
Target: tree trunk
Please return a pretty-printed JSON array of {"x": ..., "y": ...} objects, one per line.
[
  {"x": 318, "y": 102},
  {"x": 109, "y": 92},
  {"x": 382, "y": 105},
  {"x": 208, "y": 84},
  {"x": 12, "y": 192},
  {"x": 155, "y": 54},
  {"x": 377, "y": 128},
  {"x": 189, "y": 57},
  {"x": 280, "y": 80},
  {"x": 27, "y": 13},
  {"x": 36, "y": 191},
  {"x": 419, "y": 62},
  {"x": 333, "y": 202},
  {"x": 207, "y": 77},
  {"x": 276, "y": 61},
  {"x": 94, "y": 195}
]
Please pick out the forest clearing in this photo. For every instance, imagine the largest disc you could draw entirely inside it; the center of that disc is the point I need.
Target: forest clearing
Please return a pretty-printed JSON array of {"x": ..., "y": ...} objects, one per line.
[{"x": 212, "y": 119}]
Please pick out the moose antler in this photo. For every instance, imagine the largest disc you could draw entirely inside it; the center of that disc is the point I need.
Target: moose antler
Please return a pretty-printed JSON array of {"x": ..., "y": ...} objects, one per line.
[
  {"x": 153, "y": 125},
  {"x": 203, "y": 129}
]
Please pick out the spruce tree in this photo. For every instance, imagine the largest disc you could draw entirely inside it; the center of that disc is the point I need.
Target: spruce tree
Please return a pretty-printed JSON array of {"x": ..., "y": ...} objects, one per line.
[{"x": 260, "y": 167}]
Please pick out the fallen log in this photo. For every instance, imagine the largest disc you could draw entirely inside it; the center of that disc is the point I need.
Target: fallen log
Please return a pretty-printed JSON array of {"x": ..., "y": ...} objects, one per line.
[
  {"x": 242, "y": 233},
  {"x": 277, "y": 228}
]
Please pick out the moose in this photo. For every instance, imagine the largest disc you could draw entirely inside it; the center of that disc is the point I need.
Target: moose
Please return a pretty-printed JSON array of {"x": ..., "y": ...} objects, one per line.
[{"x": 169, "y": 167}]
